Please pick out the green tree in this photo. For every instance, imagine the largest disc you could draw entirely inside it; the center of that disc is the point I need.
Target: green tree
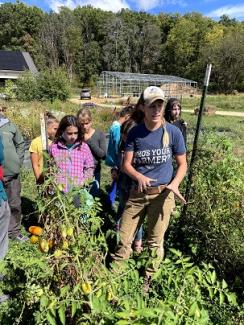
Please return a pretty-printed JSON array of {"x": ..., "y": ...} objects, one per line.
[
  {"x": 226, "y": 55},
  {"x": 53, "y": 84},
  {"x": 19, "y": 28}
]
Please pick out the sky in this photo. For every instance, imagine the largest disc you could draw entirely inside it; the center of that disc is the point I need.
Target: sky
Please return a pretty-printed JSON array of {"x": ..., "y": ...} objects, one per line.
[{"x": 210, "y": 8}]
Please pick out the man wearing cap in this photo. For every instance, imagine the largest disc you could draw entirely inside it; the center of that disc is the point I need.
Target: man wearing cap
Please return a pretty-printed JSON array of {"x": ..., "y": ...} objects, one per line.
[{"x": 149, "y": 150}]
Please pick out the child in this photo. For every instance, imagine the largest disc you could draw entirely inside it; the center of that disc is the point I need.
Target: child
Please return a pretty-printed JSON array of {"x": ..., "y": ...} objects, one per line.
[
  {"x": 71, "y": 154},
  {"x": 112, "y": 158},
  {"x": 114, "y": 137},
  {"x": 125, "y": 183},
  {"x": 36, "y": 149},
  {"x": 173, "y": 115},
  {"x": 96, "y": 141}
]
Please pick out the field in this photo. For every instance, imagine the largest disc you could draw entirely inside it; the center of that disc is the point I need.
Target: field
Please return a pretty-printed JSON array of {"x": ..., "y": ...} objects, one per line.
[{"x": 201, "y": 278}]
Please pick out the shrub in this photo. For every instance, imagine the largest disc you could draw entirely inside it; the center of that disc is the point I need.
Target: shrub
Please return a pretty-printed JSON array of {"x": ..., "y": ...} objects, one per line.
[
  {"x": 9, "y": 89},
  {"x": 27, "y": 89},
  {"x": 68, "y": 282},
  {"x": 53, "y": 84},
  {"x": 214, "y": 222}
]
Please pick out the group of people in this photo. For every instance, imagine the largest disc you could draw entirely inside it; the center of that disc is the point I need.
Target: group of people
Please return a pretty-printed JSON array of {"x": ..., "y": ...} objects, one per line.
[{"x": 142, "y": 143}]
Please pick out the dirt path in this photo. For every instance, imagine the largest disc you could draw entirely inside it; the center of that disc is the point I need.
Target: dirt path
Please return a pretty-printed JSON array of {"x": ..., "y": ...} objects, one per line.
[{"x": 99, "y": 101}]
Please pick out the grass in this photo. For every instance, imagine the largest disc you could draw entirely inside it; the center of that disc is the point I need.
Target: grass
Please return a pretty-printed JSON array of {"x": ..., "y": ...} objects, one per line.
[
  {"x": 233, "y": 103},
  {"x": 231, "y": 127}
]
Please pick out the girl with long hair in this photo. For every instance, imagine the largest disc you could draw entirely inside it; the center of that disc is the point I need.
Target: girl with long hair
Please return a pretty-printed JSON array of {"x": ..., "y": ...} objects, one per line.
[{"x": 71, "y": 154}]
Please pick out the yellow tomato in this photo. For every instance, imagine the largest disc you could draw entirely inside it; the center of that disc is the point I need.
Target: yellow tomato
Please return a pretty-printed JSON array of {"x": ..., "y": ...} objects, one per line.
[
  {"x": 86, "y": 288},
  {"x": 43, "y": 246},
  {"x": 58, "y": 253},
  {"x": 65, "y": 244},
  {"x": 70, "y": 231},
  {"x": 34, "y": 239}
]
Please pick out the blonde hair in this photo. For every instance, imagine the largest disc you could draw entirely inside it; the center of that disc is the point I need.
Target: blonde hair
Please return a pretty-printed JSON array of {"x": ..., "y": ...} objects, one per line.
[
  {"x": 84, "y": 114},
  {"x": 165, "y": 137},
  {"x": 50, "y": 119}
]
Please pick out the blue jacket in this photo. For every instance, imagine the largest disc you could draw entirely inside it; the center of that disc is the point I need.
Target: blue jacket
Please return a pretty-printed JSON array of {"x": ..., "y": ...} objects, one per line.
[{"x": 113, "y": 145}]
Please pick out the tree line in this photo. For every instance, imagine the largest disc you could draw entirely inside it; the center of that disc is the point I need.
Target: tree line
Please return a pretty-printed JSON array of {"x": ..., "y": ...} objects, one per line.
[{"x": 86, "y": 41}]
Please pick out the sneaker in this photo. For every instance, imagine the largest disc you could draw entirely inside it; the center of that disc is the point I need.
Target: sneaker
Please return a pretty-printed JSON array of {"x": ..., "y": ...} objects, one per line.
[
  {"x": 21, "y": 237},
  {"x": 147, "y": 284}
]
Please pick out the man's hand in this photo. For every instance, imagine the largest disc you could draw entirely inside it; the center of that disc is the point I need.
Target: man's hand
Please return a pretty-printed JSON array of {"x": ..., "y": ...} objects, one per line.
[
  {"x": 144, "y": 182},
  {"x": 174, "y": 188}
]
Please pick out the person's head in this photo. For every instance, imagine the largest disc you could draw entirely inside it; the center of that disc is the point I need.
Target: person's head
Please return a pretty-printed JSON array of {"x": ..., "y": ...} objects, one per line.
[
  {"x": 126, "y": 127},
  {"x": 84, "y": 118},
  {"x": 69, "y": 130},
  {"x": 52, "y": 125},
  {"x": 172, "y": 110},
  {"x": 152, "y": 104},
  {"x": 126, "y": 113}
]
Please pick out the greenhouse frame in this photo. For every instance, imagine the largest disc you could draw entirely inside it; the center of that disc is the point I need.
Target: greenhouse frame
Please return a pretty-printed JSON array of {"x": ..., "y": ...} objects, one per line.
[{"x": 120, "y": 84}]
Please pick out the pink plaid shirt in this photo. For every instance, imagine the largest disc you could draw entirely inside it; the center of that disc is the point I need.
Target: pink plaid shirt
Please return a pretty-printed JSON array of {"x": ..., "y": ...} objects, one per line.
[{"x": 72, "y": 163}]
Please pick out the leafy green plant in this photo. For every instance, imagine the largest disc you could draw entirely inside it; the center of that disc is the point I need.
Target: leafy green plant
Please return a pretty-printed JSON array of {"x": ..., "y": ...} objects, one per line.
[
  {"x": 53, "y": 84},
  {"x": 66, "y": 281},
  {"x": 213, "y": 227},
  {"x": 27, "y": 89}
]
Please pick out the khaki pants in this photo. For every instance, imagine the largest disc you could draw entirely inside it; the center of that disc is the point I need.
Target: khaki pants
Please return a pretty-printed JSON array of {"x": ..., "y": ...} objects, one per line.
[{"x": 158, "y": 208}]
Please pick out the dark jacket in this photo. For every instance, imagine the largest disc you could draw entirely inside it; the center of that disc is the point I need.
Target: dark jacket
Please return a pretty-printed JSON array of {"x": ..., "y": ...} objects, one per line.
[
  {"x": 14, "y": 148},
  {"x": 181, "y": 124}
]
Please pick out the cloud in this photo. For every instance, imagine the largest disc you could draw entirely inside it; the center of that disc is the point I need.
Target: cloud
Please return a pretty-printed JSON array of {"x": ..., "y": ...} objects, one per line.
[
  {"x": 236, "y": 11},
  {"x": 113, "y": 5},
  {"x": 151, "y": 4}
]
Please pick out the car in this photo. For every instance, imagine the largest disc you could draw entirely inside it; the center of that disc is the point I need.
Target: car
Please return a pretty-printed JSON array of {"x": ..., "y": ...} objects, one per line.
[{"x": 85, "y": 93}]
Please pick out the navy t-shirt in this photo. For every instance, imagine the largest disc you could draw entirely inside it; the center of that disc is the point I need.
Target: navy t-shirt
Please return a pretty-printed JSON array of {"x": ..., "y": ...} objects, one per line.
[{"x": 150, "y": 157}]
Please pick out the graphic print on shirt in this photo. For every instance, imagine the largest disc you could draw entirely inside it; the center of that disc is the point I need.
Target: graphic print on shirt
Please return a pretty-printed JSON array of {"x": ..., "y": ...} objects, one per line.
[{"x": 152, "y": 157}]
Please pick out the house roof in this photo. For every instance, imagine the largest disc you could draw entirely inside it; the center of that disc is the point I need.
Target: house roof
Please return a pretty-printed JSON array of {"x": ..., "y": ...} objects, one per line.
[{"x": 16, "y": 61}]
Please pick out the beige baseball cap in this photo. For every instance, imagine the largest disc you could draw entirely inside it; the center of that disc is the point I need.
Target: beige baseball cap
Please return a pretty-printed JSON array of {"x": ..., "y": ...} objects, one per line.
[{"x": 151, "y": 94}]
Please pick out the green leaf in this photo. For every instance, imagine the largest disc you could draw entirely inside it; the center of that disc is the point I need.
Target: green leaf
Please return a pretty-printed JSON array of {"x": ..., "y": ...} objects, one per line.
[
  {"x": 232, "y": 298},
  {"x": 221, "y": 298},
  {"x": 122, "y": 322},
  {"x": 193, "y": 309},
  {"x": 213, "y": 277},
  {"x": 73, "y": 308},
  {"x": 61, "y": 313},
  {"x": 176, "y": 252},
  {"x": 224, "y": 284},
  {"x": 44, "y": 301},
  {"x": 51, "y": 319},
  {"x": 210, "y": 291}
]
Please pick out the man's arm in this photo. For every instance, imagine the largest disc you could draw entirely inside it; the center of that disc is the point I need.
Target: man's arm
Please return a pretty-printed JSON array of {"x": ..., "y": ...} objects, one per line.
[
  {"x": 143, "y": 181},
  {"x": 180, "y": 174}
]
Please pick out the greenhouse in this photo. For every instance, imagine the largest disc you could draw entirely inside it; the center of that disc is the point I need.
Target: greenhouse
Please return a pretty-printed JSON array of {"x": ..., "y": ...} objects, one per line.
[{"x": 113, "y": 84}]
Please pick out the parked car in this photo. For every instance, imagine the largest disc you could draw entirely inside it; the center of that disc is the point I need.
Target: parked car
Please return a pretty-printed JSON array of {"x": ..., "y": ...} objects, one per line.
[{"x": 85, "y": 93}]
